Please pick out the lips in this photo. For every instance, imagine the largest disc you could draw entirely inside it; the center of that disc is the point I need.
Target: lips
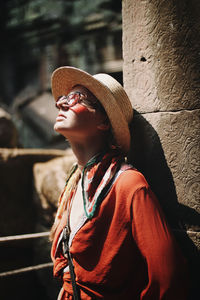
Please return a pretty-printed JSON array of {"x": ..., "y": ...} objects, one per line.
[{"x": 60, "y": 117}]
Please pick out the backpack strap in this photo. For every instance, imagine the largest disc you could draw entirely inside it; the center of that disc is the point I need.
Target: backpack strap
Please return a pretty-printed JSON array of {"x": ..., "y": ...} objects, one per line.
[{"x": 65, "y": 240}]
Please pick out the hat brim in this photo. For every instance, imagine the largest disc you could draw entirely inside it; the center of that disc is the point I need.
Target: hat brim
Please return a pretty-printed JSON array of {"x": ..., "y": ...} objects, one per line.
[{"x": 65, "y": 78}]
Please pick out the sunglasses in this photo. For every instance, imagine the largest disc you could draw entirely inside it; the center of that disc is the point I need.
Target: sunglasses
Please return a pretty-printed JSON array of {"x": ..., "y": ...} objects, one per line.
[{"x": 64, "y": 102}]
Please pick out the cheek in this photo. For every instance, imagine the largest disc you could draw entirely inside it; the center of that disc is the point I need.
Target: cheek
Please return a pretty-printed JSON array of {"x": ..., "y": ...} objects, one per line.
[{"x": 78, "y": 109}]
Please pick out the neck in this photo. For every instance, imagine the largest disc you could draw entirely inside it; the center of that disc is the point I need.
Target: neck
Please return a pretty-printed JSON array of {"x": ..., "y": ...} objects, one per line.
[{"x": 85, "y": 151}]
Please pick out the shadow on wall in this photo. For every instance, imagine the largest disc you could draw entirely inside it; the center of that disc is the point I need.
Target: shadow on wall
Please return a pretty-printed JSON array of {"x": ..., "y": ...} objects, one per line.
[{"x": 148, "y": 157}]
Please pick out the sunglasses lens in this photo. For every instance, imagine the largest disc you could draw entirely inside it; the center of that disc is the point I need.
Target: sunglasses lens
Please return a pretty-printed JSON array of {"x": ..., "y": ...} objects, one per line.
[{"x": 70, "y": 100}]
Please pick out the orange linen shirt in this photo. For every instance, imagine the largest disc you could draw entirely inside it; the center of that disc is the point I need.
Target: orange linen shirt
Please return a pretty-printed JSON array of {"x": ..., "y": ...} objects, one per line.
[{"x": 126, "y": 251}]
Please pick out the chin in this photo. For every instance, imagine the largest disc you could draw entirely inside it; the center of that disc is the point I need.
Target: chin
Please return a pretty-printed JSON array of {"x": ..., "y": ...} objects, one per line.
[
  {"x": 58, "y": 128},
  {"x": 55, "y": 127}
]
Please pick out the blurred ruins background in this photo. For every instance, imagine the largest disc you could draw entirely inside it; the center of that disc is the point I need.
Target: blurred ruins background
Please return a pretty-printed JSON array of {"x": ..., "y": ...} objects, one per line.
[{"x": 150, "y": 46}]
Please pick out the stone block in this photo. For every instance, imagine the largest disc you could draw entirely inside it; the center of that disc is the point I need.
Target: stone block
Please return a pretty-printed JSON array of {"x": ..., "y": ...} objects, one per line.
[
  {"x": 161, "y": 55},
  {"x": 49, "y": 181},
  {"x": 166, "y": 147},
  {"x": 18, "y": 211}
]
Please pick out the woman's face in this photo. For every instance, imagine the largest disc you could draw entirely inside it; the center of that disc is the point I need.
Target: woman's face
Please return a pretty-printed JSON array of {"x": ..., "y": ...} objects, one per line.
[{"x": 81, "y": 120}]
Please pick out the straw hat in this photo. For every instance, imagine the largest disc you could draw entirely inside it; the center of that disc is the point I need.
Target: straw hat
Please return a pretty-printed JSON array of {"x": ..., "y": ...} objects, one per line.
[{"x": 107, "y": 90}]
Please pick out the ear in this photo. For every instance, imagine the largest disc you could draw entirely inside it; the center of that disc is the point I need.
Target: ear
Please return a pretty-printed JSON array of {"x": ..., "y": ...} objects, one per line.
[{"x": 104, "y": 125}]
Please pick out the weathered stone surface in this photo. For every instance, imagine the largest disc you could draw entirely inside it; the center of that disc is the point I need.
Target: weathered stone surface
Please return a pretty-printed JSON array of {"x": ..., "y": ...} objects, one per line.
[
  {"x": 161, "y": 76},
  {"x": 179, "y": 138},
  {"x": 49, "y": 180},
  {"x": 178, "y": 135},
  {"x": 8, "y": 132},
  {"x": 28, "y": 155},
  {"x": 165, "y": 148},
  {"x": 18, "y": 212},
  {"x": 161, "y": 54}
]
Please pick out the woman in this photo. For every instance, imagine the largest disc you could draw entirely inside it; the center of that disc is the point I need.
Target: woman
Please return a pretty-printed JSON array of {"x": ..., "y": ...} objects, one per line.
[{"x": 110, "y": 237}]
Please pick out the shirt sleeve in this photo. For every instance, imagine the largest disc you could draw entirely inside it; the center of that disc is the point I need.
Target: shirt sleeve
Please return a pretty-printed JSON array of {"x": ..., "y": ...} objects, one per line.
[{"x": 167, "y": 272}]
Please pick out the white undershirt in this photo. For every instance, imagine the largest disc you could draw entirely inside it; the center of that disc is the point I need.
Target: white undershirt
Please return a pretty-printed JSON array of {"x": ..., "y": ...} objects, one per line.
[{"x": 77, "y": 209}]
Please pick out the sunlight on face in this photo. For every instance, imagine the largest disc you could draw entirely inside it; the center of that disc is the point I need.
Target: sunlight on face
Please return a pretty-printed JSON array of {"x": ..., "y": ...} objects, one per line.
[{"x": 82, "y": 119}]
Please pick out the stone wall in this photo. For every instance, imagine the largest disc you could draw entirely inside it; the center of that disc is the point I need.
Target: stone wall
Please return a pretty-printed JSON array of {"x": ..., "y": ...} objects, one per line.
[{"x": 161, "y": 76}]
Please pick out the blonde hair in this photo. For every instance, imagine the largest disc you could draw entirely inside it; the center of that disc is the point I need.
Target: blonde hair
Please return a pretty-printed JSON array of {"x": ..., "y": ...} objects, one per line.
[{"x": 65, "y": 197}]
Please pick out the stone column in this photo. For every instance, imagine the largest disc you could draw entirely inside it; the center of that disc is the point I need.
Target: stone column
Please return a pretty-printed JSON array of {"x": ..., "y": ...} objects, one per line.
[{"x": 161, "y": 49}]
